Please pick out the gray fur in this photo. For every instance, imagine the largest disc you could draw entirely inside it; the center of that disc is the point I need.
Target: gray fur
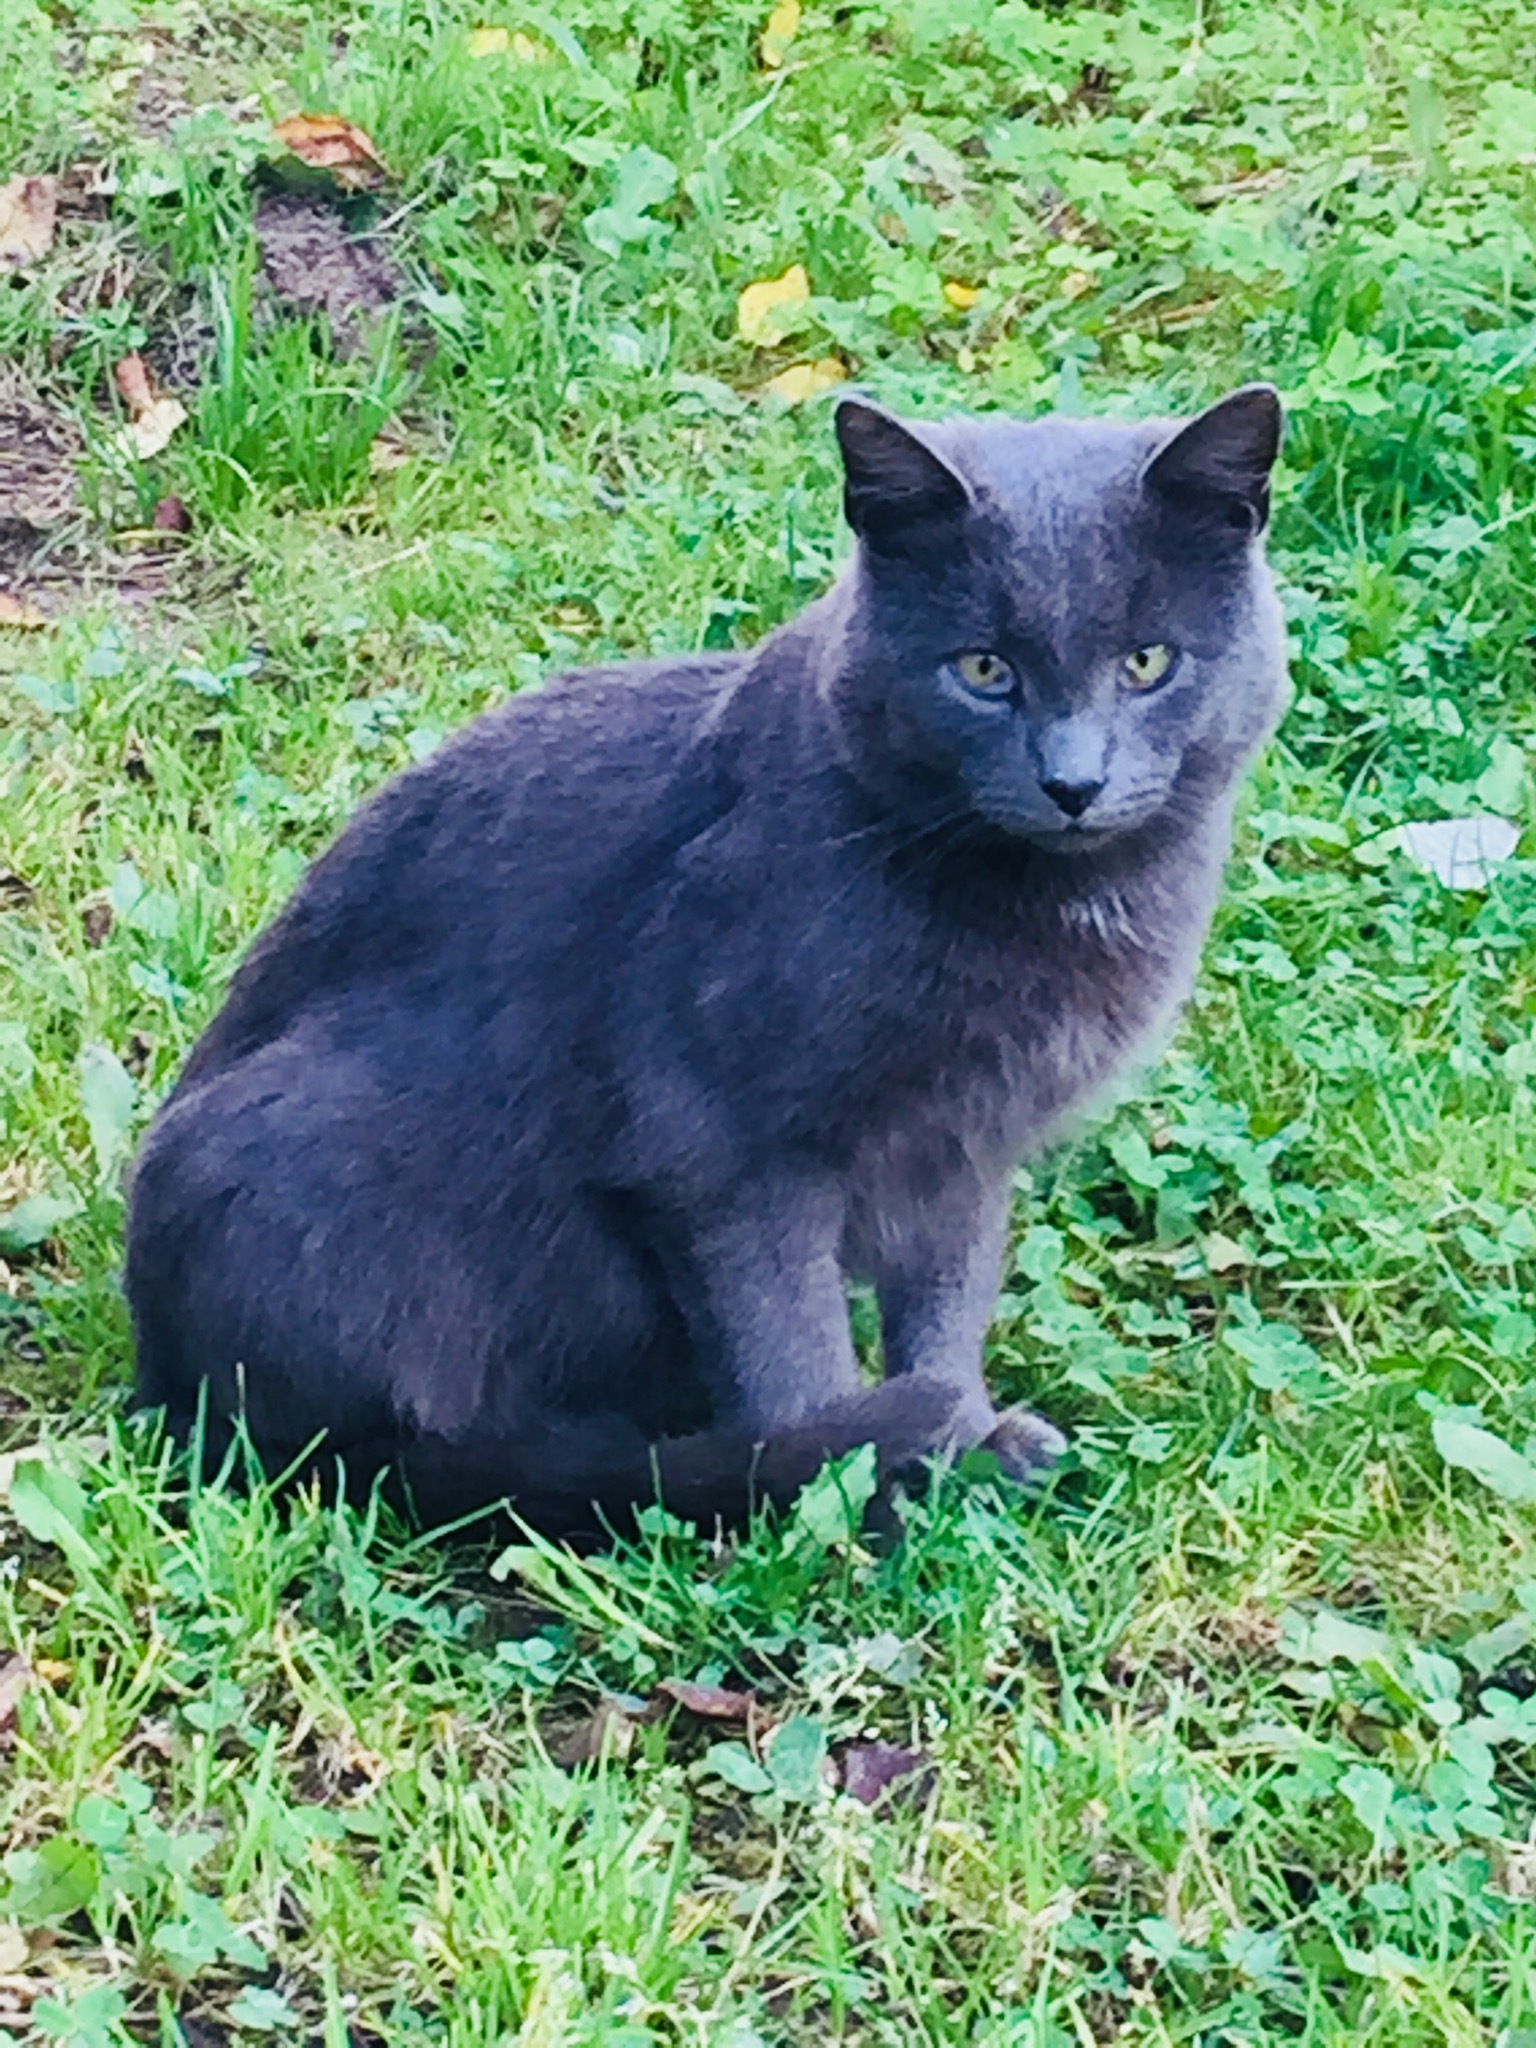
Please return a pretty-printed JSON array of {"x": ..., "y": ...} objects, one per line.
[{"x": 539, "y": 1138}]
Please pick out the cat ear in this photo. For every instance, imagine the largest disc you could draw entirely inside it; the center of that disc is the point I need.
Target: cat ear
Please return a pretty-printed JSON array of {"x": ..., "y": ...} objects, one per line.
[
  {"x": 1216, "y": 468},
  {"x": 894, "y": 483}
]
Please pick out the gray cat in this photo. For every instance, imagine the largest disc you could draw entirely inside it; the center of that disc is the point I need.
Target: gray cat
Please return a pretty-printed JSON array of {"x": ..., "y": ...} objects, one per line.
[{"x": 539, "y": 1139}]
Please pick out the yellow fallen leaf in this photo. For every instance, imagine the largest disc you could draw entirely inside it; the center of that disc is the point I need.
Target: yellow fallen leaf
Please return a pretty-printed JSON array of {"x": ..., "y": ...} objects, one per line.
[
  {"x": 1076, "y": 283},
  {"x": 27, "y": 210},
  {"x": 805, "y": 380},
  {"x": 53, "y": 1669},
  {"x": 499, "y": 42},
  {"x": 759, "y": 302},
  {"x": 779, "y": 32},
  {"x": 963, "y": 296}
]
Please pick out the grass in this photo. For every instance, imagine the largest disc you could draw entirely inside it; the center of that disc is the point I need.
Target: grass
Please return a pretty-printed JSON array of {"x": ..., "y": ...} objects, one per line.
[{"x": 1229, "y": 1738}]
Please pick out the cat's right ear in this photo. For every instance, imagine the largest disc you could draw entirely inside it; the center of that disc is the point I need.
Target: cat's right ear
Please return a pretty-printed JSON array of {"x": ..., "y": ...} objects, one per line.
[{"x": 895, "y": 487}]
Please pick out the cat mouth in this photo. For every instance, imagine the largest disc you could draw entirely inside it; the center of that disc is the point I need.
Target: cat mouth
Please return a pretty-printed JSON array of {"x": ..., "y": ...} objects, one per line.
[{"x": 1078, "y": 836}]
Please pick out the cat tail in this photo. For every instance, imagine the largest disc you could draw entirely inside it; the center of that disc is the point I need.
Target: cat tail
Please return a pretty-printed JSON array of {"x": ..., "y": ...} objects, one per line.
[
  {"x": 564, "y": 1476},
  {"x": 724, "y": 1474}
]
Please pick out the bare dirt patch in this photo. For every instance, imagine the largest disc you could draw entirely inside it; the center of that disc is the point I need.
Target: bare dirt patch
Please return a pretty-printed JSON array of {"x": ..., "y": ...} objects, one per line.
[
  {"x": 38, "y": 447},
  {"x": 314, "y": 262}
]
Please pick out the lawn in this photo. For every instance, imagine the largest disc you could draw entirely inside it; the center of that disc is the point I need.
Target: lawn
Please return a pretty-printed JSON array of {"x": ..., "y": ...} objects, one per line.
[{"x": 1229, "y": 1735}]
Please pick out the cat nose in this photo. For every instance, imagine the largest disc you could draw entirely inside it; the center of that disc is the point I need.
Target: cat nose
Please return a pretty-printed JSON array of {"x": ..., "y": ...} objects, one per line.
[{"x": 1072, "y": 797}]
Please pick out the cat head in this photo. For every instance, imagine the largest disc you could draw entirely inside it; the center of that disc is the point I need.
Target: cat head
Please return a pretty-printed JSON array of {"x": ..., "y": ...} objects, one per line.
[{"x": 1063, "y": 628}]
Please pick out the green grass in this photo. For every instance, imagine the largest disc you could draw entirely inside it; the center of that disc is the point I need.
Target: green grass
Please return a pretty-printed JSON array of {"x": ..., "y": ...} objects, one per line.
[{"x": 1231, "y": 1737}]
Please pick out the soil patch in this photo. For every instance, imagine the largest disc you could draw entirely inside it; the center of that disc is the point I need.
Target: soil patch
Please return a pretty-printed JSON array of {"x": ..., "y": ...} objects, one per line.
[
  {"x": 314, "y": 262},
  {"x": 38, "y": 447}
]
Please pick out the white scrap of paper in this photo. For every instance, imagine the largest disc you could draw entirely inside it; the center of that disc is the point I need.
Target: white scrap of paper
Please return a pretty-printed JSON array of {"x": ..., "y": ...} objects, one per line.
[{"x": 1460, "y": 852}]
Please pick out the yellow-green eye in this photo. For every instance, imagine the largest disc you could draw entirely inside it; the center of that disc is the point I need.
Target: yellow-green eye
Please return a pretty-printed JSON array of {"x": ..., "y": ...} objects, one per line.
[
  {"x": 1145, "y": 667},
  {"x": 987, "y": 674}
]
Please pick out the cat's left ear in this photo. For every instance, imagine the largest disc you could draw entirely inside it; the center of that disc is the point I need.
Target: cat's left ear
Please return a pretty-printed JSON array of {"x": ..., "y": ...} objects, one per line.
[
  {"x": 896, "y": 487},
  {"x": 1216, "y": 468}
]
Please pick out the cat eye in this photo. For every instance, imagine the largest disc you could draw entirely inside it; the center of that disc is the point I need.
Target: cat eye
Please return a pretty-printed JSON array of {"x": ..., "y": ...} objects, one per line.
[
  {"x": 1146, "y": 667},
  {"x": 987, "y": 674}
]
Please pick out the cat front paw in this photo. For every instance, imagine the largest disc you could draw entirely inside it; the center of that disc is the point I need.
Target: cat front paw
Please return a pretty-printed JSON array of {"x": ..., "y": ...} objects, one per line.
[{"x": 1024, "y": 1444}]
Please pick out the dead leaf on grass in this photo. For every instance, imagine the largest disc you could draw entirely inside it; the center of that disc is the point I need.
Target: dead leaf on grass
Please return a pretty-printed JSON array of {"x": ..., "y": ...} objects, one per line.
[
  {"x": 151, "y": 431},
  {"x": 870, "y": 1769},
  {"x": 710, "y": 1702},
  {"x": 503, "y": 42},
  {"x": 152, "y": 416},
  {"x": 329, "y": 142},
  {"x": 16, "y": 1675},
  {"x": 28, "y": 210},
  {"x": 807, "y": 380},
  {"x": 779, "y": 31},
  {"x": 607, "y": 1732},
  {"x": 132, "y": 380},
  {"x": 17, "y": 612},
  {"x": 171, "y": 516},
  {"x": 762, "y": 308}
]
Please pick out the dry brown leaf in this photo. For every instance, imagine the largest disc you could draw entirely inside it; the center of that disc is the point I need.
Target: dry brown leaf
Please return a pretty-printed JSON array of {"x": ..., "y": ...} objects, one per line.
[
  {"x": 15, "y": 1676},
  {"x": 328, "y": 142},
  {"x": 607, "y": 1732},
  {"x": 152, "y": 416},
  {"x": 712, "y": 1702},
  {"x": 28, "y": 209},
  {"x": 132, "y": 380},
  {"x": 16, "y": 611},
  {"x": 171, "y": 516},
  {"x": 870, "y": 1769}
]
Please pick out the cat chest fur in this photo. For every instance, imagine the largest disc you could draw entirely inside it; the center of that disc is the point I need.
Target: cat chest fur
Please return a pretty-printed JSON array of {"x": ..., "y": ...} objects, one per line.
[{"x": 885, "y": 1024}]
